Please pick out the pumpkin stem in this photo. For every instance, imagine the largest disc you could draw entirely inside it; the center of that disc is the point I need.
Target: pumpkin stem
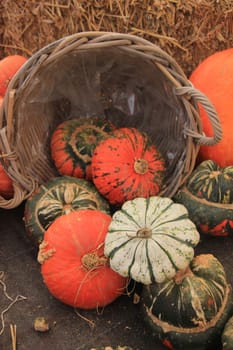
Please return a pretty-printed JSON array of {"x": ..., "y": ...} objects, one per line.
[
  {"x": 140, "y": 166},
  {"x": 91, "y": 261},
  {"x": 214, "y": 174},
  {"x": 181, "y": 274},
  {"x": 144, "y": 232}
]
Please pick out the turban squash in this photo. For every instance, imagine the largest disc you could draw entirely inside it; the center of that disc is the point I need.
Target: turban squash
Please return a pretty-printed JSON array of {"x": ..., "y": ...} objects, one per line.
[
  {"x": 127, "y": 165},
  {"x": 72, "y": 144},
  {"x": 190, "y": 310},
  {"x": 57, "y": 197},
  {"x": 208, "y": 197}
]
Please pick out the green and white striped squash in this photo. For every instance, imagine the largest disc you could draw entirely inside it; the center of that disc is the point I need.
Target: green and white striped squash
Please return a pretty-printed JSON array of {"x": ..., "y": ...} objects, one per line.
[
  {"x": 150, "y": 239},
  {"x": 190, "y": 310},
  {"x": 227, "y": 335},
  {"x": 57, "y": 197},
  {"x": 211, "y": 182}
]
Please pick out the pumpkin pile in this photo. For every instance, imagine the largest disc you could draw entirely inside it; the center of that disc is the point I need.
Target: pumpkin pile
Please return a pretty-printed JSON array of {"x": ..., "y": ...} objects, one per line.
[{"x": 102, "y": 223}]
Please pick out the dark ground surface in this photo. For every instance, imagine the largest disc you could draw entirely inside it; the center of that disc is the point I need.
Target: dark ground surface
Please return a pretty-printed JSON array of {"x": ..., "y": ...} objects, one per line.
[{"x": 118, "y": 324}]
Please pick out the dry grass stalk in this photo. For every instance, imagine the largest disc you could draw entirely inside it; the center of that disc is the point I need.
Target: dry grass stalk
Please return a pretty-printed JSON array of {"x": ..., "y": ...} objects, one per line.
[
  {"x": 177, "y": 26},
  {"x": 12, "y": 302}
]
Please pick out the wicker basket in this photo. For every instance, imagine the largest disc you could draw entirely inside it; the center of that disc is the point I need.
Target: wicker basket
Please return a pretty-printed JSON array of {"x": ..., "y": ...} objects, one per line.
[{"x": 122, "y": 77}]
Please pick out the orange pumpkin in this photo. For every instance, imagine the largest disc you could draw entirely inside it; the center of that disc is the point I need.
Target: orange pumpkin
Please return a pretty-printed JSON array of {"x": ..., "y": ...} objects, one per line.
[
  {"x": 8, "y": 67},
  {"x": 214, "y": 77},
  {"x": 6, "y": 185},
  {"x": 127, "y": 165},
  {"x": 74, "y": 267}
]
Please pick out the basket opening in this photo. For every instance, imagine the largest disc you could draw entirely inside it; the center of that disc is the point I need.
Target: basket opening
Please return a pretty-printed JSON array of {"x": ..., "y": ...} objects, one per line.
[{"x": 127, "y": 88}]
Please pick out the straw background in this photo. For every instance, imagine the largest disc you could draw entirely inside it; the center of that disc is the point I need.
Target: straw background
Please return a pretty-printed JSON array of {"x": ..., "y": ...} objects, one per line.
[{"x": 188, "y": 30}]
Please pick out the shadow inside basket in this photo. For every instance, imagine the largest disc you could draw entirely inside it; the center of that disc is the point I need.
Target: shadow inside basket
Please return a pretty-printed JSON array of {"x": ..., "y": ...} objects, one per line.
[{"x": 111, "y": 83}]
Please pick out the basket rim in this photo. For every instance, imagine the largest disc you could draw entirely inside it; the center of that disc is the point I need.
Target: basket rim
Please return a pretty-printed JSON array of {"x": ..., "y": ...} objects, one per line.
[{"x": 190, "y": 97}]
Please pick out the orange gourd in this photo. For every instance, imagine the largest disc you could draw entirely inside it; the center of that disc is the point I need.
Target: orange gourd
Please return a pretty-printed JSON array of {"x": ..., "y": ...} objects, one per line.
[
  {"x": 6, "y": 185},
  {"x": 9, "y": 65},
  {"x": 127, "y": 165},
  {"x": 74, "y": 267},
  {"x": 214, "y": 77}
]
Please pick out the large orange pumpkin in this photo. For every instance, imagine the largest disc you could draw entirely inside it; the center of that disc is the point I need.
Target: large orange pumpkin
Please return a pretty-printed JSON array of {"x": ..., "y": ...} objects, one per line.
[
  {"x": 214, "y": 77},
  {"x": 9, "y": 65},
  {"x": 74, "y": 267}
]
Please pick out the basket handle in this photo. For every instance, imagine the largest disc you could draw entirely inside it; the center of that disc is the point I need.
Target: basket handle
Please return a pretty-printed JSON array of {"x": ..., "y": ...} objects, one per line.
[{"x": 212, "y": 114}]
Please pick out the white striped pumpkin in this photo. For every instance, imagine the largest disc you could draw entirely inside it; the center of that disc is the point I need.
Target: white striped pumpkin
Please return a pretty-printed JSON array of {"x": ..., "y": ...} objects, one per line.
[{"x": 150, "y": 239}]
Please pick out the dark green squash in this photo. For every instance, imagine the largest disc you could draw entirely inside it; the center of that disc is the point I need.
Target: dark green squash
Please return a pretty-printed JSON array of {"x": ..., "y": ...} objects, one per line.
[
  {"x": 227, "y": 335},
  {"x": 211, "y": 182},
  {"x": 208, "y": 197},
  {"x": 59, "y": 196},
  {"x": 190, "y": 310},
  {"x": 213, "y": 219}
]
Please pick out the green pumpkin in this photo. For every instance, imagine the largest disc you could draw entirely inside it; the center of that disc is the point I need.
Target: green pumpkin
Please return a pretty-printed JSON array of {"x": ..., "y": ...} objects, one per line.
[
  {"x": 150, "y": 239},
  {"x": 208, "y": 197},
  {"x": 190, "y": 310},
  {"x": 57, "y": 197},
  {"x": 212, "y": 219},
  {"x": 227, "y": 335},
  {"x": 211, "y": 182}
]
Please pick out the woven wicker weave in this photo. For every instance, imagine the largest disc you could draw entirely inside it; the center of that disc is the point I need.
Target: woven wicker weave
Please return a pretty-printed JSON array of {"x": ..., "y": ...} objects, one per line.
[{"x": 122, "y": 77}]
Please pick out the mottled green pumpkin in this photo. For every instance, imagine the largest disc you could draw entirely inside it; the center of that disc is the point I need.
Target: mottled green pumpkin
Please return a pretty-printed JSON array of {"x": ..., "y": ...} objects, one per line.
[
  {"x": 211, "y": 182},
  {"x": 57, "y": 197},
  {"x": 73, "y": 142},
  {"x": 190, "y": 310},
  {"x": 227, "y": 335}
]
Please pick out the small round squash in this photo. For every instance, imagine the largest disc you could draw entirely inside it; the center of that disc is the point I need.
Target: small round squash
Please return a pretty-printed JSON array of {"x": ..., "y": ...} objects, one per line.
[
  {"x": 190, "y": 310},
  {"x": 57, "y": 197},
  {"x": 208, "y": 197},
  {"x": 127, "y": 165},
  {"x": 150, "y": 239},
  {"x": 211, "y": 182},
  {"x": 74, "y": 267},
  {"x": 73, "y": 142}
]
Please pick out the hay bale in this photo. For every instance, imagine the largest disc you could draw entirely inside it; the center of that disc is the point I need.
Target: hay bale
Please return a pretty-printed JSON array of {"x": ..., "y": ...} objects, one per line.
[{"x": 178, "y": 27}]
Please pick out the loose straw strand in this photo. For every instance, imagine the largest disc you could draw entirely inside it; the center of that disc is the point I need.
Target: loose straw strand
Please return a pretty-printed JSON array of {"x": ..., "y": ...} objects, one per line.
[
  {"x": 12, "y": 302},
  {"x": 13, "y": 336}
]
